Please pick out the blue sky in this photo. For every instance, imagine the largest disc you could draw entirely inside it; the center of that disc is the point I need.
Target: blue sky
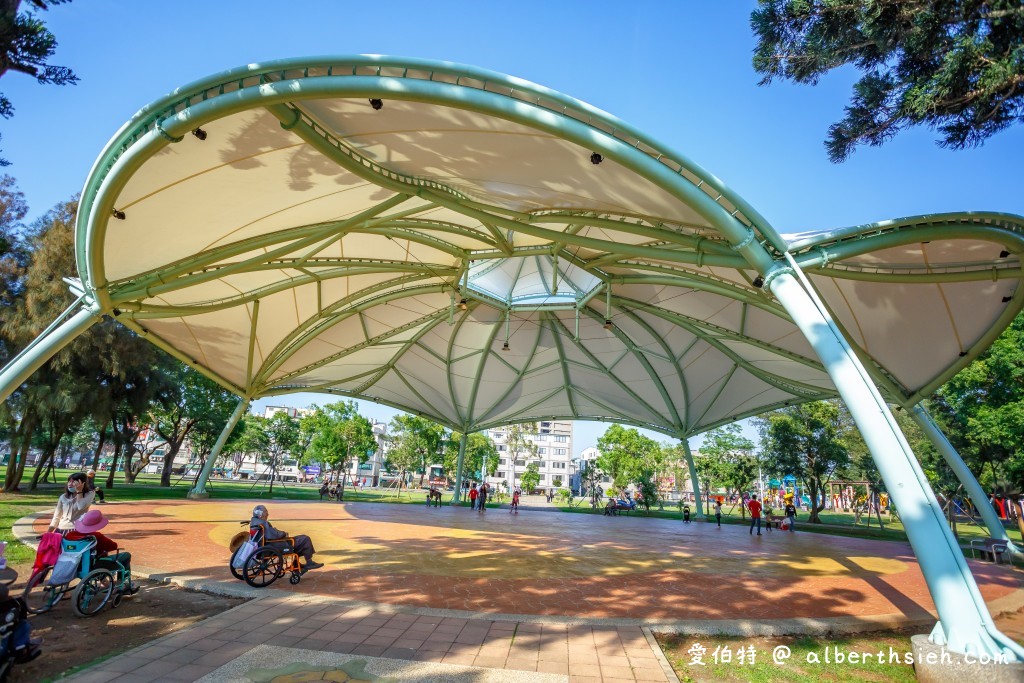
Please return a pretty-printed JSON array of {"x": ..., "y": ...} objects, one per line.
[{"x": 680, "y": 71}]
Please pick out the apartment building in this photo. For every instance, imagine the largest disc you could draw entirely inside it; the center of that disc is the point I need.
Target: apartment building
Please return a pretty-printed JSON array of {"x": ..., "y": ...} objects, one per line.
[{"x": 554, "y": 455}]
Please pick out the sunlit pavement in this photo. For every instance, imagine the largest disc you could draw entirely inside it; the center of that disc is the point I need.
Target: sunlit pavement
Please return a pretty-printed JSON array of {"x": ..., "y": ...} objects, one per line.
[{"x": 579, "y": 583}]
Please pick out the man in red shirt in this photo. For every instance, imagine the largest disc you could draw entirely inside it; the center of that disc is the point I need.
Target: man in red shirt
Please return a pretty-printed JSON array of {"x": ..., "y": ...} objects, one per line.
[{"x": 755, "y": 513}]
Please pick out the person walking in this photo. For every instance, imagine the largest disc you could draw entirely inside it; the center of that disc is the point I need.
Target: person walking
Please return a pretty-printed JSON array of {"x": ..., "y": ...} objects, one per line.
[
  {"x": 473, "y": 495},
  {"x": 481, "y": 499},
  {"x": 515, "y": 502},
  {"x": 686, "y": 513},
  {"x": 791, "y": 515},
  {"x": 755, "y": 513},
  {"x": 718, "y": 512}
]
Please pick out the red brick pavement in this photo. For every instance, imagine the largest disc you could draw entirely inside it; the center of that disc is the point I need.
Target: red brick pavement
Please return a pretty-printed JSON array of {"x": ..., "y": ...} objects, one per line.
[{"x": 550, "y": 563}]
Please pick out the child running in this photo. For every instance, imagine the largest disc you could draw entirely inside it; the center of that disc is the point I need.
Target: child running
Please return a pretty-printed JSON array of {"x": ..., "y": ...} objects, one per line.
[{"x": 515, "y": 502}]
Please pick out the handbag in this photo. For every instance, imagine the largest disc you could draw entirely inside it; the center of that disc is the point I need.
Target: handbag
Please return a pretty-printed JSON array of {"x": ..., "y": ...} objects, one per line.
[
  {"x": 243, "y": 554},
  {"x": 66, "y": 566}
]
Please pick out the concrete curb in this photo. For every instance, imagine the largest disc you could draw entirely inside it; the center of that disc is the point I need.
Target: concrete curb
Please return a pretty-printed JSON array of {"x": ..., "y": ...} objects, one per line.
[{"x": 666, "y": 668}]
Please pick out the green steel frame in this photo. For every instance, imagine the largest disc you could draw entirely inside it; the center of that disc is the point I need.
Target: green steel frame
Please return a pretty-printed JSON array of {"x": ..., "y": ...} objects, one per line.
[{"x": 671, "y": 254}]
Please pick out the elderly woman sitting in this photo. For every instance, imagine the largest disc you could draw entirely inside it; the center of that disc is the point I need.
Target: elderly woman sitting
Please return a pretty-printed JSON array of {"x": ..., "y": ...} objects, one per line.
[{"x": 303, "y": 545}]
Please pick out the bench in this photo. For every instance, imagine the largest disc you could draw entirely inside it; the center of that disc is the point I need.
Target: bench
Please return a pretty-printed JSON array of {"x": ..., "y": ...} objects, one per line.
[{"x": 989, "y": 547}]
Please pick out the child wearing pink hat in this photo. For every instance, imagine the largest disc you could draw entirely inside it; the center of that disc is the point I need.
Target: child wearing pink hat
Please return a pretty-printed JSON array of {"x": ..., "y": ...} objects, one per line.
[{"x": 90, "y": 524}]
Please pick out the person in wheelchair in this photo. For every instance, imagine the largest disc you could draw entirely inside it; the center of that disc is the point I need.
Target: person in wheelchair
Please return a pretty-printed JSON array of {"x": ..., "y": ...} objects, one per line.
[
  {"x": 90, "y": 524},
  {"x": 303, "y": 545}
]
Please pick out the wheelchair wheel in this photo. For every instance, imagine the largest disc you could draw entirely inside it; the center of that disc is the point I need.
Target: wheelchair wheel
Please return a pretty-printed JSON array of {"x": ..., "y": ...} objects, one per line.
[
  {"x": 295, "y": 578},
  {"x": 40, "y": 597},
  {"x": 237, "y": 573},
  {"x": 264, "y": 567},
  {"x": 93, "y": 593}
]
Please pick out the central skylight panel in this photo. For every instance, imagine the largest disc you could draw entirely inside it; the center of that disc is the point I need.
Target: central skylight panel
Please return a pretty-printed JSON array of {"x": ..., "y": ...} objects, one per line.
[{"x": 540, "y": 280}]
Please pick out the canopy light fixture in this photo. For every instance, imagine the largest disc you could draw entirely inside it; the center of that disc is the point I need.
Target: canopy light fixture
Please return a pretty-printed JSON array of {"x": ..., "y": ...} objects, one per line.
[
  {"x": 758, "y": 282},
  {"x": 596, "y": 158},
  {"x": 199, "y": 133},
  {"x": 1004, "y": 254},
  {"x": 504, "y": 347},
  {"x": 463, "y": 304},
  {"x": 119, "y": 215},
  {"x": 608, "y": 324},
  {"x": 376, "y": 103}
]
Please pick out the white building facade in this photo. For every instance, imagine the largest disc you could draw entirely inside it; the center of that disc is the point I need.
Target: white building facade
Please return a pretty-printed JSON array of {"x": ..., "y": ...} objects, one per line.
[{"x": 554, "y": 455}]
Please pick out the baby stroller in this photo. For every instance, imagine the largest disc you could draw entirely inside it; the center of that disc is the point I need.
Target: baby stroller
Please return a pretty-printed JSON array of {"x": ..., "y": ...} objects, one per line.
[{"x": 15, "y": 645}]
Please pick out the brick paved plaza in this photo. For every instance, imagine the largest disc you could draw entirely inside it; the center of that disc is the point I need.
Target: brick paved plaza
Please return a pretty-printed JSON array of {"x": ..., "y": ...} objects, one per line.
[{"x": 541, "y": 592}]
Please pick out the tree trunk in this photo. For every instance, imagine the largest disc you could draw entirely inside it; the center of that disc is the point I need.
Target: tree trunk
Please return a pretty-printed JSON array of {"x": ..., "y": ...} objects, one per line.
[
  {"x": 273, "y": 473},
  {"x": 132, "y": 470},
  {"x": 114, "y": 460},
  {"x": 45, "y": 464},
  {"x": 129, "y": 453},
  {"x": 815, "y": 509},
  {"x": 344, "y": 475},
  {"x": 16, "y": 463},
  {"x": 172, "y": 453},
  {"x": 100, "y": 442}
]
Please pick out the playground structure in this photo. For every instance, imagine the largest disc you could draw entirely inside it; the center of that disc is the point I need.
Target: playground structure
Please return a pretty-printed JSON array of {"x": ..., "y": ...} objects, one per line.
[{"x": 481, "y": 250}]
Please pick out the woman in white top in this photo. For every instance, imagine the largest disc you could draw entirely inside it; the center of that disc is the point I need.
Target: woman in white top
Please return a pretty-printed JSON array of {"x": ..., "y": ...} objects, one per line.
[{"x": 72, "y": 504}]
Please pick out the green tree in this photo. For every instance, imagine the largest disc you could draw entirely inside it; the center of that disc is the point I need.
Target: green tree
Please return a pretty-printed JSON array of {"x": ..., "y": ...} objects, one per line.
[
  {"x": 14, "y": 258},
  {"x": 25, "y": 46},
  {"x": 342, "y": 436},
  {"x": 806, "y": 441},
  {"x": 417, "y": 443},
  {"x": 519, "y": 443},
  {"x": 531, "y": 477},
  {"x": 647, "y": 487},
  {"x": 952, "y": 65},
  {"x": 272, "y": 438},
  {"x": 625, "y": 453},
  {"x": 981, "y": 410},
  {"x": 725, "y": 460},
  {"x": 479, "y": 449},
  {"x": 191, "y": 403}
]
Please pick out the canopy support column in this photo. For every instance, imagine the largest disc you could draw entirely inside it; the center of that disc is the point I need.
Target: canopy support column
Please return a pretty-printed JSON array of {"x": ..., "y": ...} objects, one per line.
[
  {"x": 199, "y": 490},
  {"x": 458, "y": 469},
  {"x": 927, "y": 424},
  {"x": 965, "y": 624},
  {"x": 693, "y": 479},
  {"x": 43, "y": 348}
]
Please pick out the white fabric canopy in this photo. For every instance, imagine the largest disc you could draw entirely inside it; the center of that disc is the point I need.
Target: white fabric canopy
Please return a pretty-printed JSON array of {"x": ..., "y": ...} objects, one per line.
[{"x": 310, "y": 241}]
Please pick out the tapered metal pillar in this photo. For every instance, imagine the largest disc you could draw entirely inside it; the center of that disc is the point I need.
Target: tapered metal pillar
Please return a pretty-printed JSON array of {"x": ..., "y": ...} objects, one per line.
[
  {"x": 43, "y": 348},
  {"x": 199, "y": 490},
  {"x": 963, "y": 473},
  {"x": 693, "y": 479},
  {"x": 965, "y": 624},
  {"x": 458, "y": 469}
]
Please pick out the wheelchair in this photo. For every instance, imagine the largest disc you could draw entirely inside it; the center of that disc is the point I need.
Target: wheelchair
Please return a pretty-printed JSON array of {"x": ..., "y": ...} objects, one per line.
[
  {"x": 100, "y": 580},
  {"x": 269, "y": 562},
  {"x": 15, "y": 645}
]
